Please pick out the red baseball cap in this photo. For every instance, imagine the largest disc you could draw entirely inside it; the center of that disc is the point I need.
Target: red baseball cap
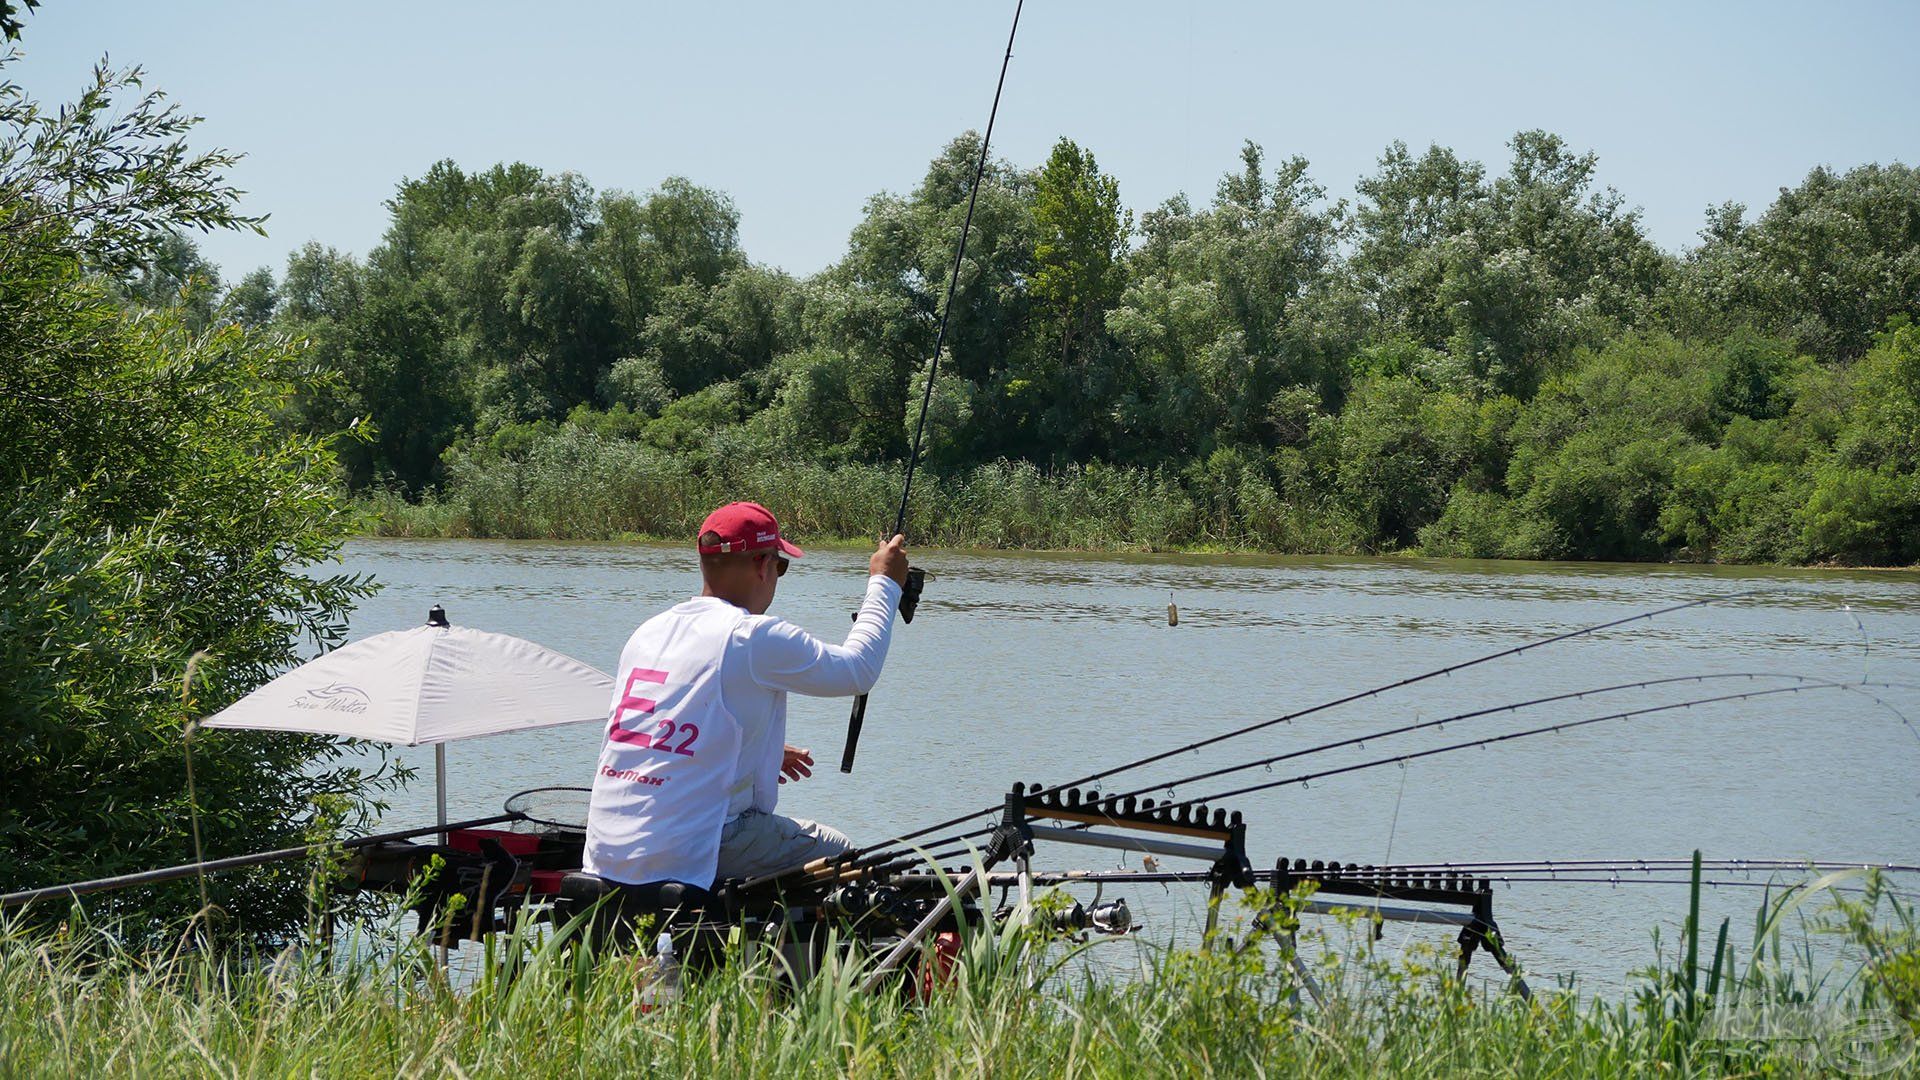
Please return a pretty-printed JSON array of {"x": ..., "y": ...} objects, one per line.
[{"x": 744, "y": 526}]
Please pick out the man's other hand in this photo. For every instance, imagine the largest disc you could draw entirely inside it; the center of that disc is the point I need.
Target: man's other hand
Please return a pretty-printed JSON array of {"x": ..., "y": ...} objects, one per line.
[
  {"x": 891, "y": 559},
  {"x": 795, "y": 764}
]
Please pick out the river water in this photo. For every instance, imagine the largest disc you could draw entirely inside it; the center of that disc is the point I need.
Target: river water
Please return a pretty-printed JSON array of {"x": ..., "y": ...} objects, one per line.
[{"x": 1044, "y": 667}]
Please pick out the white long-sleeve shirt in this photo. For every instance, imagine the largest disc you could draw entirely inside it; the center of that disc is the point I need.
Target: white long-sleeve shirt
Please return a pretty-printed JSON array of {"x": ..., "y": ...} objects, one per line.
[
  {"x": 698, "y": 724},
  {"x": 767, "y": 658}
]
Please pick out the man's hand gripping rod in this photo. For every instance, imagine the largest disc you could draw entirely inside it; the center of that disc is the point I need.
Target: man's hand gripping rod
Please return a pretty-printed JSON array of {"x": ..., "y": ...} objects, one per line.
[{"x": 916, "y": 579}]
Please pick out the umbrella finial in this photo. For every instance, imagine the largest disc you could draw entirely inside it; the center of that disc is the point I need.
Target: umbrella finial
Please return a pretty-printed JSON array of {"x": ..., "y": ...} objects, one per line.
[{"x": 437, "y": 616}]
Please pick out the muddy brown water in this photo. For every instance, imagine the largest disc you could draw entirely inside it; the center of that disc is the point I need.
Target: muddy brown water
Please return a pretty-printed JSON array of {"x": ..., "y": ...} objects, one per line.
[{"x": 1044, "y": 667}]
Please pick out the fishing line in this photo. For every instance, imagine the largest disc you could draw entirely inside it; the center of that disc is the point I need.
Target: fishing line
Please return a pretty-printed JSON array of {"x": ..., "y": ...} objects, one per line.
[
  {"x": 1866, "y": 642},
  {"x": 859, "y": 714},
  {"x": 1394, "y": 826}
]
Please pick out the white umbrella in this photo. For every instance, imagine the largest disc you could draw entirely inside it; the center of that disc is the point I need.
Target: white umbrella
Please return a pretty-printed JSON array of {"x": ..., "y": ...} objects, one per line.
[{"x": 427, "y": 685}]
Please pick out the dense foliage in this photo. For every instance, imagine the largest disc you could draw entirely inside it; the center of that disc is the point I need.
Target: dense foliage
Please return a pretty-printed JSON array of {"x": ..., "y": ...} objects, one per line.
[
  {"x": 155, "y": 508},
  {"x": 1452, "y": 361}
]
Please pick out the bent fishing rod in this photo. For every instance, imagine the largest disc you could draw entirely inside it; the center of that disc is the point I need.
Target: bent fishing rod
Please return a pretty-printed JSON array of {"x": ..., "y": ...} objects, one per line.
[
  {"x": 867, "y": 852},
  {"x": 916, "y": 579},
  {"x": 1516, "y": 650}
]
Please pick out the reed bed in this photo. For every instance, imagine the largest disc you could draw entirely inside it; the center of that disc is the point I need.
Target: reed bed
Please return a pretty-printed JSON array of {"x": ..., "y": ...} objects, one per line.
[
  {"x": 77, "y": 1004},
  {"x": 578, "y": 486}
]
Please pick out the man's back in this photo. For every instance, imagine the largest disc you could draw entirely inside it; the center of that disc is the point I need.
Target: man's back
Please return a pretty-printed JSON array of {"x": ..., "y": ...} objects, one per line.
[{"x": 661, "y": 790}]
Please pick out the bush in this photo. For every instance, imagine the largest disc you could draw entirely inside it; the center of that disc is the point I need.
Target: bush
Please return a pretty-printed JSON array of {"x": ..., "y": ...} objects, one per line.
[{"x": 153, "y": 536}]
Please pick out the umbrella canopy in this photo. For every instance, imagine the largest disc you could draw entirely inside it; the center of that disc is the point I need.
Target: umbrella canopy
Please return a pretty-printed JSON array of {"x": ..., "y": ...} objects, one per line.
[{"x": 427, "y": 685}]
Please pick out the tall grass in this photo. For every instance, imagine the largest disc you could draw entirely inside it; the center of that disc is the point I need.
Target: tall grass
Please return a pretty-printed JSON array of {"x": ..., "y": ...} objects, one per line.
[
  {"x": 75, "y": 1004},
  {"x": 576, "y": 485}
]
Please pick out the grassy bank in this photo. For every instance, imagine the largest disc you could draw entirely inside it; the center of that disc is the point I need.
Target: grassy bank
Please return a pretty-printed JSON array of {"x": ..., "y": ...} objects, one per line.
[{"x": 76, "y": 1006}]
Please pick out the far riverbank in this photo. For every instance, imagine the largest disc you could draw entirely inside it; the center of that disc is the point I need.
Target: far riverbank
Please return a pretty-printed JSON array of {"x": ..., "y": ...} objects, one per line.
[{"x": 1004, "y": 506}]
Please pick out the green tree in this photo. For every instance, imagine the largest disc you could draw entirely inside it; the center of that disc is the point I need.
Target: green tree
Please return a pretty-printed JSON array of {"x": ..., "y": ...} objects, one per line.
[
  {"x": 1080, "y": 235},
  {"x": 1865, "y": 504},
  {"x": 1596, "y": 453},
  {"x": 155, "y": 509},
  {"x": 253, "y": 301},
  {"x": 176, "y": 276},
  {"x": 879, "y": 307},
  {"x": 1227, "y": 313},
  {"x": 1507, "y": 276},
  {"x": 1827, "y": 265}
]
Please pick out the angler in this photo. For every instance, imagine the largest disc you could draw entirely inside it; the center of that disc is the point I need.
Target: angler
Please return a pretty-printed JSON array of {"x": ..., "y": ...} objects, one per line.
[{"x": 687, "y": 782}]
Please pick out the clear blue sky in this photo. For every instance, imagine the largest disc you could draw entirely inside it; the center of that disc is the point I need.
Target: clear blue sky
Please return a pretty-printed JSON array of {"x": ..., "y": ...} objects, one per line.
[{"x": 802, "y": 111}]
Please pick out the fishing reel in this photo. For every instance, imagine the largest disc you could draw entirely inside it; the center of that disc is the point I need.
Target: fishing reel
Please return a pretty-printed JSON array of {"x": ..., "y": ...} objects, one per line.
[
  {"x": 857, "y": 901},
  {"x": 1111, "y": 917},
  {"x": 910, "y": 592}
]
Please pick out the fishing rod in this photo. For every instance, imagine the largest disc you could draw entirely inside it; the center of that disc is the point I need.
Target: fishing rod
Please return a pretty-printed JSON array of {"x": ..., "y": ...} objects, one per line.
[
  {"x": 1548, "y": 869},
  {"x": 916, "y": 579},
  {"x": 888, "y": 860},
  {"x": 1804, "y": 681},
  {"x": 1565, "y": 725},
  {"x": 235, "y": 862},
  {"x": 862, "y": 852},
  {"x": 1201, "y": 877},
  {"x": 1515, "y": 870},
  {"x": 1409, "y": 681},
  {"x": 1584, "y": 865},
  {"x": 1442, "y": 722}
]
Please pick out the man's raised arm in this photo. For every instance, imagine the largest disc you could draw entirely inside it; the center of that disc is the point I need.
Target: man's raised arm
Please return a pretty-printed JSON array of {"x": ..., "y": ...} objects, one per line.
[{"x": 784, "y": 657}]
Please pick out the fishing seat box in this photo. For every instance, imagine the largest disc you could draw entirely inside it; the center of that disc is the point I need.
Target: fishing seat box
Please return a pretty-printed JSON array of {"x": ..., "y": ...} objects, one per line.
[{"x": 620, "y": 906}]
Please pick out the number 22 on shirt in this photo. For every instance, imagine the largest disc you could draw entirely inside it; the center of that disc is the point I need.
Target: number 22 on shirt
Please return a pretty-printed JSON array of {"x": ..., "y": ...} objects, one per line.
[{"x": 667, "y": 736}]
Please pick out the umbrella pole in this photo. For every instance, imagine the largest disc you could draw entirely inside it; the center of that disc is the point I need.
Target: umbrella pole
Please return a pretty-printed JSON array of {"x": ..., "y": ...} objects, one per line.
[
  {"x": 440, "y": 787},
  {"x": 440, "y": 804}
]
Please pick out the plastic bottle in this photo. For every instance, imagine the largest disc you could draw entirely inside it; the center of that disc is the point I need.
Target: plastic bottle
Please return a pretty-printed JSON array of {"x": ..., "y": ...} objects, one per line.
[{"x": 664, "y": 987}]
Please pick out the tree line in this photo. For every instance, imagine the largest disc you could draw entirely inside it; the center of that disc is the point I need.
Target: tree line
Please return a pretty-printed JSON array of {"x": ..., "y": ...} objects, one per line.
[{"x": 1451, "y": 361}]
